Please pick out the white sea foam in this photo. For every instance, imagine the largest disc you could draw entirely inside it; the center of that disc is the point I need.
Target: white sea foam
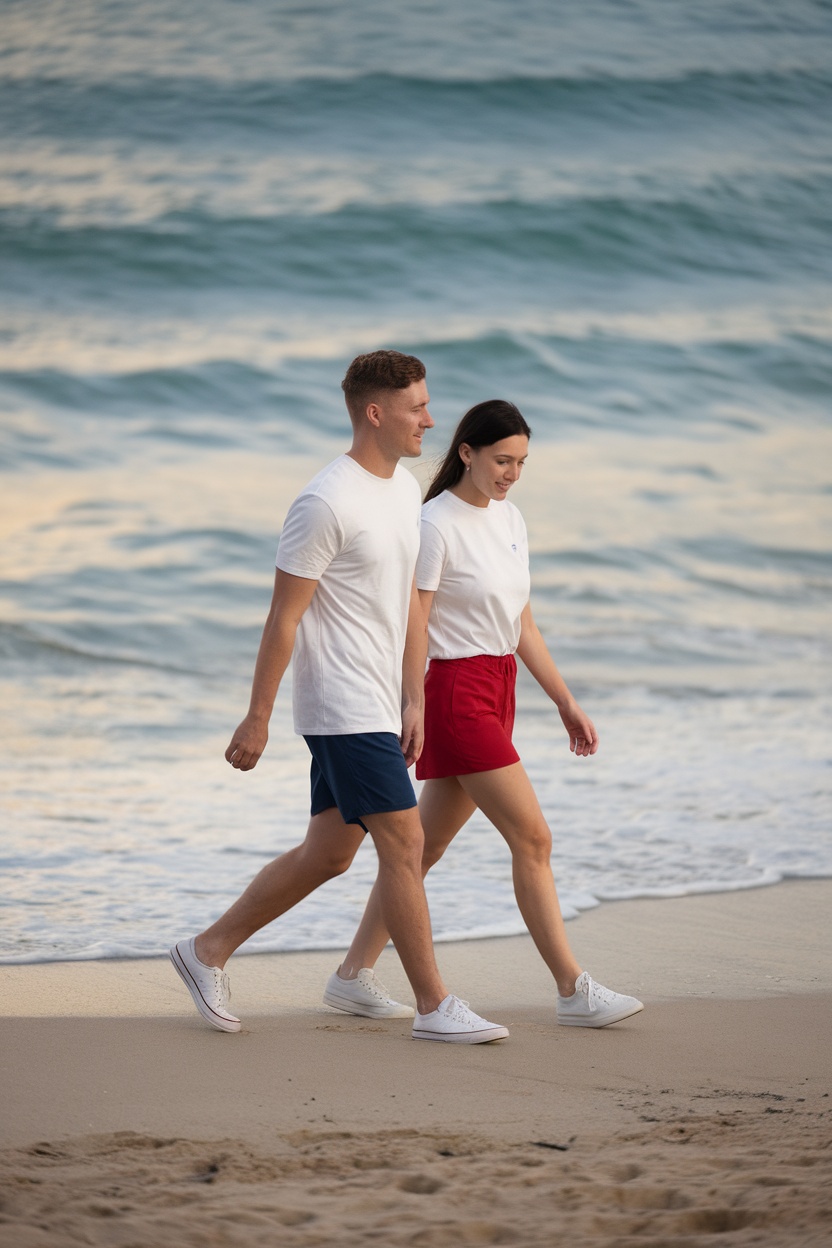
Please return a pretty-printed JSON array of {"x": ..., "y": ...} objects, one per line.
[{"x": 122, "y": 345}]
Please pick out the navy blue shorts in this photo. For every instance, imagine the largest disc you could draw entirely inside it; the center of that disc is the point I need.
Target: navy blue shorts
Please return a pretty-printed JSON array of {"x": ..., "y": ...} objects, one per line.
[{"x": 362, "y": 773}]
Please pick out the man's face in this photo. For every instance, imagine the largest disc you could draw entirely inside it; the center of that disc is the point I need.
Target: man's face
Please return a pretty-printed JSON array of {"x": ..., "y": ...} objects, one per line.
[{"x": 403, "y": 419}]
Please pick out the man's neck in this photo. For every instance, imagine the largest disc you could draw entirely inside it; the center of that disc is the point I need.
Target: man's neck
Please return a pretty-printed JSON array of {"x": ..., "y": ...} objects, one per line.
[{"x": 371, "y": 459}]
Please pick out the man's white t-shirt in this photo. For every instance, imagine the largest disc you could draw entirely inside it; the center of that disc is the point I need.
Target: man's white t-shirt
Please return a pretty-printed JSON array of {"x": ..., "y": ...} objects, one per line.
[
  {"x": 477, "y": 561},
  {"x": 357, "y": 535}
]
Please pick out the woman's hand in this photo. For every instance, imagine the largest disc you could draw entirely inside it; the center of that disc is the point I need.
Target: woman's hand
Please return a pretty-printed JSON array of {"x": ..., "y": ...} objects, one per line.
[{"x": 583, "y": 738}]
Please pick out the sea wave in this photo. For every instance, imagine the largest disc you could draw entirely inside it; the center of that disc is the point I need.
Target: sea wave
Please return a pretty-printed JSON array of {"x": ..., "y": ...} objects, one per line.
[
  {"x": 210, "y": 40},
  {"x": 616, "y": 218},
  {"x": 155, "y": 107},
  {"x": 45, "y": 186},
  {"x": 573, "y": 903},
  {"x": 114, "y": 356},
  {"x": 604, "y": 236}
]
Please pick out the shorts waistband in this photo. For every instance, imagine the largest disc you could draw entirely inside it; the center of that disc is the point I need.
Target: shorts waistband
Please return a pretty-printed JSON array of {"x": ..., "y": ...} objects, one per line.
[{"x": 488, "y": 662}]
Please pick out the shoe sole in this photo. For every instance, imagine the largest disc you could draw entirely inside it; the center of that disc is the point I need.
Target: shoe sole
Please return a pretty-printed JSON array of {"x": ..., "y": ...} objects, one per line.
[
  {"x": 210, "y": 1016},
  {"x": 589, "y": 1021},
  {"x": 463, "y": 1037},
  {"x": 346, "y": 1006}
]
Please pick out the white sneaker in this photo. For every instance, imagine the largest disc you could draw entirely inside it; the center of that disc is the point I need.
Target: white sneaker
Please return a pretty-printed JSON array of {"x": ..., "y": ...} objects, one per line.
[
  {"x": 364, "y": 995},
  {"x": 208, "y": 985},
  {"x": 454, "y": 1022},
  {"x": 592, "y": 1005}
]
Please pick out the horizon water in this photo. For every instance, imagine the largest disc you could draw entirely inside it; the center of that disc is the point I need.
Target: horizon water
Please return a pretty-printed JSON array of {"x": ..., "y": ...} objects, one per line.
[{"x": 616, "y": 217}]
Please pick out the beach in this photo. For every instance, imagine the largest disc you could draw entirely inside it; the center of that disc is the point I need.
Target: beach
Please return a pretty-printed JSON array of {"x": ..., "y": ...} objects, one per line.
[
  {"x": 611, "y": 215},
  {"x": 126, "y": 1120}
]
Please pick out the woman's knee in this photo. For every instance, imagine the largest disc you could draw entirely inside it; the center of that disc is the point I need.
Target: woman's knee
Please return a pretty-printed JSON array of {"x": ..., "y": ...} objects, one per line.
[
  {"x": 533, "y": 844},
  {"x": 431, "y": 855}
]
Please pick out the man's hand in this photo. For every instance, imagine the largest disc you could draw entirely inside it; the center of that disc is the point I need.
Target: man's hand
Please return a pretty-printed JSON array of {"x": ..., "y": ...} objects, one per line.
[
  {"x": 412, "y": 739},
  {"x": 413, "y": 733},
  {"x": 247, "y": 744},
  {"x": 290, "y": 598}
]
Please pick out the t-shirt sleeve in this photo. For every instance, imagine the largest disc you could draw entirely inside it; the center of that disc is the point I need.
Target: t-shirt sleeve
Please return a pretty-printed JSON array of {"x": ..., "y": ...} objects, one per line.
[
  {"x": 432, "y": 555},
  {"x": 311, "y": 538}
]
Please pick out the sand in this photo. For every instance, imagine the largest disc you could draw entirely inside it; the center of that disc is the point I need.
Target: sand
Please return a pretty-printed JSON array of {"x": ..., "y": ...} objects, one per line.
[{"x": 707, "y": 1119}]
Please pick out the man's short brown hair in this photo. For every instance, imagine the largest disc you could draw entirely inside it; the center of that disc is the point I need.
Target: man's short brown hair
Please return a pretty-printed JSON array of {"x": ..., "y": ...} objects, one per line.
[{"x": 370, "y": 375}]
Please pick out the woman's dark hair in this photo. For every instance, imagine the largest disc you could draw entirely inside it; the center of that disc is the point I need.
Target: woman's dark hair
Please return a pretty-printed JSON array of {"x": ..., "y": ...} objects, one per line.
[{"x": 482, "y": 425}]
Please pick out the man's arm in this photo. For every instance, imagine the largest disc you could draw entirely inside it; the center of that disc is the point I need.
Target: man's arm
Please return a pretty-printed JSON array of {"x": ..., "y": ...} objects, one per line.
[
  {"x": 583, "y": 739},
  {"x": 413, "y": 675},
  {"x": 291, "y": 596}
]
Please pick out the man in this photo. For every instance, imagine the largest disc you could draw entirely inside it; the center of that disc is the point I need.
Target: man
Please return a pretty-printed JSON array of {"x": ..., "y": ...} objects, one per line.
[{"x": 344, "y": 601}]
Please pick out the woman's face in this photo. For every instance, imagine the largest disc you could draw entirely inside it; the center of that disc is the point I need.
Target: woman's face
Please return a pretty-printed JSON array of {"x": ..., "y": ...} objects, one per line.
[{"x": 493, "y": 470}]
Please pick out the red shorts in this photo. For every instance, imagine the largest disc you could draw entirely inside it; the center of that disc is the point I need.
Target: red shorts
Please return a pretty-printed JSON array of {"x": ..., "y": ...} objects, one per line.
[{"x": 469, "y": 716}]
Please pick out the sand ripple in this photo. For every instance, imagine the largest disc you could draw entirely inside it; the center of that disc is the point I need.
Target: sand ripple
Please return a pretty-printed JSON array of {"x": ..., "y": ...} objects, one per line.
[{"x": 756, "y": 1172}]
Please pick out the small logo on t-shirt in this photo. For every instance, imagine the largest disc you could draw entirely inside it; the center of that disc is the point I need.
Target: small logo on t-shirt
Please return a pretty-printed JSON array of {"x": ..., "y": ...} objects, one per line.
[{"x": 514, "y": 548}]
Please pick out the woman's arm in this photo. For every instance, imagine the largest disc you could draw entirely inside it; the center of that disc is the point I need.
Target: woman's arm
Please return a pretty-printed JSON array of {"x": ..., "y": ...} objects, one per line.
[{"x": 583, "y": 738}]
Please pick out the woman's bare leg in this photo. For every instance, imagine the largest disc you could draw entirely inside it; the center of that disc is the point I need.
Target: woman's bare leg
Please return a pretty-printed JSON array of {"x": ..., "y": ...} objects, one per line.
[
  {"x": 443, "y": 807},
  {"x": 507, "y": 799}
]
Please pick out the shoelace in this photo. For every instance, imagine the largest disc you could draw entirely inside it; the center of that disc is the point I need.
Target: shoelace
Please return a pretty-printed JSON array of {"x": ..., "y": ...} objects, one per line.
[
  {"x": 376, "y": 987},
  {"x": 458, "y": 1009},
  {"x": 222, "y": 985},
  {"x": 597, "y": 994}
]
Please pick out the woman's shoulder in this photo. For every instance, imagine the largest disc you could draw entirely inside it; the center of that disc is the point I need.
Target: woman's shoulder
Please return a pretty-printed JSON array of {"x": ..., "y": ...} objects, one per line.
[{"x": 435, "y": 508}]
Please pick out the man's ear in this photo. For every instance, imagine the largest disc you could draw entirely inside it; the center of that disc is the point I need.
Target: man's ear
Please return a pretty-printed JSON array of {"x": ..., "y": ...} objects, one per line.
[{"x": 373, "y": 414}]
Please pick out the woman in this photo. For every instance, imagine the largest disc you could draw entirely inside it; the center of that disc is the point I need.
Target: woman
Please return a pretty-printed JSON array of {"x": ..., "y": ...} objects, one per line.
[{"x": 473, "y": 582}]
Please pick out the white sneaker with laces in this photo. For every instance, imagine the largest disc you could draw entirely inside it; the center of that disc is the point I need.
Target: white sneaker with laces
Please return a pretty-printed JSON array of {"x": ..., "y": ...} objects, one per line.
[
  {"x": 208, "y": 985},
  {"x": 364, "y": 995},
  {"x": 453, "y": 1022},
  {"x": 592, "y": 1005}
]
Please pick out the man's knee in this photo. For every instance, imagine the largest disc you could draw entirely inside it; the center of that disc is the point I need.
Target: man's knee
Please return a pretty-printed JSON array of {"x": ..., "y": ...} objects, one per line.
[
  {"x": 335, "y": 864},
  {"x": 331, "y": 844},
  {"x": 397, "y": 835}
]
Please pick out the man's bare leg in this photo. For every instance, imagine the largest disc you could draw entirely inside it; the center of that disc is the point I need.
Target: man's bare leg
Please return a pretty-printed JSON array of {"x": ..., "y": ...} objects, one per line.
[
  {"x": 327, "y": 851},
  {"x": 399, "y": 841},
  {"x": 443, "y": 808}
]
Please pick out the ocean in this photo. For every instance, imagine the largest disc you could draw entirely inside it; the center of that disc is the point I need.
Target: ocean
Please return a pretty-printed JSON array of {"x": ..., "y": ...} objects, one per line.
[{"x": 615, "y": 214}]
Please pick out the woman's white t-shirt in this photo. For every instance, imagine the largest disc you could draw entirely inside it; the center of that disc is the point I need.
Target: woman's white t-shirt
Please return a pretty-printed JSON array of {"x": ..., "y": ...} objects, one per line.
[
  {"x": 357, "y": 535},
  {"x": 476, "y": 559}
]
